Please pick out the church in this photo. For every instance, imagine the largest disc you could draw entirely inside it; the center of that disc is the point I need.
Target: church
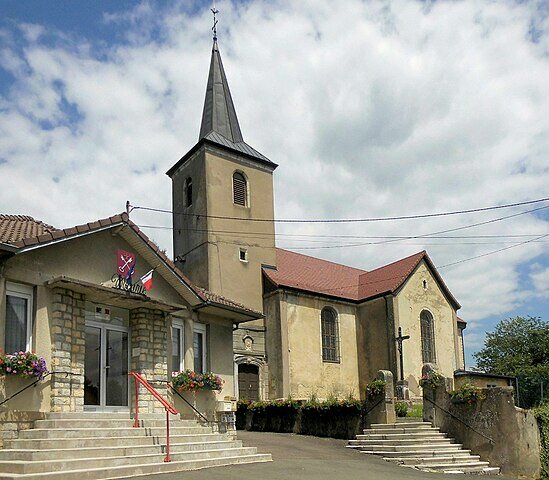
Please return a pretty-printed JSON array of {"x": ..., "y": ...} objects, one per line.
[{"x": 326, "y": 328}]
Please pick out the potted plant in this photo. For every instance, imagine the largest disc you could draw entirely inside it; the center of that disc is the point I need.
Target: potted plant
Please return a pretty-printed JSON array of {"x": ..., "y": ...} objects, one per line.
[
  {"x": 190, "y": 381},
  {"x": 431, "y": 380},
  {"x": 23, "y": 364},
  {"x": 198, "y": 389}
]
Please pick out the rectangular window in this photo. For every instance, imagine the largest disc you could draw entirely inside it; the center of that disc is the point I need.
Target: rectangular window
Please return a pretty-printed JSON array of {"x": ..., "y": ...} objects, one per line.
[
  {"x": 330, "y": 336},
  {"x": 177, "y": 348},
  {"x": 243, "y": 255},
  {"x": 199, "y": 347},
  {"x": 18, "y": 318}
]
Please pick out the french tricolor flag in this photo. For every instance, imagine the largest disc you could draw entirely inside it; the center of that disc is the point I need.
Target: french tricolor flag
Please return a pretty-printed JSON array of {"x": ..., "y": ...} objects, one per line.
[{"x": 147, "y": 280}]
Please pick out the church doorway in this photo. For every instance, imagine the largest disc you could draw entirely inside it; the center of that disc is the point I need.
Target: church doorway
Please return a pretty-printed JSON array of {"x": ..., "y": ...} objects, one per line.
[{"x": 248, "y": 382}]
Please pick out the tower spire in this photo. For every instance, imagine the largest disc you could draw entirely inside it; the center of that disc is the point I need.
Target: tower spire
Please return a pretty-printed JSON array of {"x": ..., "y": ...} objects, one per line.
[{"x": 219, "y": 114}]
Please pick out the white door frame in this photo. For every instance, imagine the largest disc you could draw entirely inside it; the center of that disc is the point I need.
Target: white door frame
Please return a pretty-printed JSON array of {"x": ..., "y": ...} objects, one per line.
[{"x": 103, "y": 327}]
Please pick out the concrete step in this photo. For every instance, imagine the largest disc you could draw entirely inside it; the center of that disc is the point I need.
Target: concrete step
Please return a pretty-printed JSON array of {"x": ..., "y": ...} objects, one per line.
[
  {"x": 134, "y": 470},
  {"x": 64, "y": 465},
  {"x": 409, "y": 420},
  {"x": 406, "y": 448},
  {"x": 442, "y": 452},
  {"x": 111, "y": 423},
  {"x": 475, "y": 466},
  {"x": 401, "y": 429},
  {"x": 98, "y": 415},
  {"x": 403, "y": 441},
  {"x": 391, "y": 426},
  {"x": 100, "y": 451},
  {"x": 401, "y": 436},
  {"x": 109, "y": 432},
  {"x": 107, "y": 442},
  {"x": 419, "y": 445},
  {"x": 448, "y": 459}
]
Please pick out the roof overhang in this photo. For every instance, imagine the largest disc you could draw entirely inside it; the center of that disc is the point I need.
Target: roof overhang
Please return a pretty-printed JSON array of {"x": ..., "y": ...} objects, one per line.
[
  {"x": 112, "y": 296},
  {"x": 6, "y": 247},
  {"x": 235, "y": 314},
  {"x": 205, "y": 142}
]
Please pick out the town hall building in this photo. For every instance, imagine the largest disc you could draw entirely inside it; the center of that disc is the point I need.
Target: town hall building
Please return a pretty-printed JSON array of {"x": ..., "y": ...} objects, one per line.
[{"x": 327, "y": 328}]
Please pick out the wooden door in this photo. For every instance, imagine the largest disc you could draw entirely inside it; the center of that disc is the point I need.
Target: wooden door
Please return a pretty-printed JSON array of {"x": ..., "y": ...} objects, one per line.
[{"x": 248, "y": 382}]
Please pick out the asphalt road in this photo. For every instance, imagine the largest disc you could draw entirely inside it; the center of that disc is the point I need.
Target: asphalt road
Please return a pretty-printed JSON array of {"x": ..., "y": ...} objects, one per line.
[{"x": 302, "y": 457}]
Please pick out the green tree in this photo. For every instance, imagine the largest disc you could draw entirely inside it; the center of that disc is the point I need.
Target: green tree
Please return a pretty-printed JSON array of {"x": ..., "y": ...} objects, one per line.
[{"x": 519, "y": 347}]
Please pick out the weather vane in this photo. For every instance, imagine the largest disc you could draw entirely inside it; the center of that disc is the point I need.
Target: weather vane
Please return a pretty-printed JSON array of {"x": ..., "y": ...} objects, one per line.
[{"x": 215, "y": 11}]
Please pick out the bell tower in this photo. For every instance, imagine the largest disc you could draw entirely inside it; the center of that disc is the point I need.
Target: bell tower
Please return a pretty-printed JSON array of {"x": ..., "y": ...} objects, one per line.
[{"x": 223, "y": 205}]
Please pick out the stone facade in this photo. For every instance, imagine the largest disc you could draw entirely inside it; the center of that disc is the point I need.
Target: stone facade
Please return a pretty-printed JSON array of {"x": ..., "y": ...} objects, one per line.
[
  {"x": 68, "y": 351},
  {"x": 149, "y": 338}
]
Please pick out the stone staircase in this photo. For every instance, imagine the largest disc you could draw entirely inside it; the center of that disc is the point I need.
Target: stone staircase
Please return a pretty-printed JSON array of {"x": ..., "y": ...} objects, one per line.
[
  {"x": 106, "y": 446},
  {"x": 421, "y": 446}
]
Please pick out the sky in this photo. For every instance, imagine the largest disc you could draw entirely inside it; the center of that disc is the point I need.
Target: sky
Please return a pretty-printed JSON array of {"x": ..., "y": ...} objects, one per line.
[{"x": 370, "y": 109}]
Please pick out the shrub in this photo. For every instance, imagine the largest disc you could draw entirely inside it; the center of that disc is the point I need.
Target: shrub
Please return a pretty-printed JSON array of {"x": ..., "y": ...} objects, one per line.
[
  {"x": 375, "y": 388},
  {"x": 190, "y": 381},
  {"x": 401, "y": 409},
  {"x": 23, "y": 364},
  {"x": 331, "y": 418},
  {"x": 431, "y": 380},
  {"x": 241, "y": 412},
  {"x": 542, "y": 416},
  {"x": 274, "y": 416},
  {"x": 467, "y": 393}
]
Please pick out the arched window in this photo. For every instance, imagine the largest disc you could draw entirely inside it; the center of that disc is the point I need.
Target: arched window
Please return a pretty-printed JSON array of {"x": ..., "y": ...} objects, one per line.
[
  {"x": 188, "y": 191},
  {"x": 330, "y": 335},
  {"x": 427, "y": 337},
  {"x": 240, "y": 189}
]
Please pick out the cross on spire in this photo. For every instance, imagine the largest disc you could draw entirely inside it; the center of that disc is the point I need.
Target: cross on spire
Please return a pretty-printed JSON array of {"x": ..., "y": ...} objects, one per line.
[{"x": 215, "y": 11}]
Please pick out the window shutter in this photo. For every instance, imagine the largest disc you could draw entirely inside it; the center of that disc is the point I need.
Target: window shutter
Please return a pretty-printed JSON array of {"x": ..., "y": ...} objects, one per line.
[{"x": 239, "y": 189}]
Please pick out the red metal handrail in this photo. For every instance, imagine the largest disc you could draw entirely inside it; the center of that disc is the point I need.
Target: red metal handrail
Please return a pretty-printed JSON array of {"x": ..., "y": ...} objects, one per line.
[{"x": 138, "y": 379}]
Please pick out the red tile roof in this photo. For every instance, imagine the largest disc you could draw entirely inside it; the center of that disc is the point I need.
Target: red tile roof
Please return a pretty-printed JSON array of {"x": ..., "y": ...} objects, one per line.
[
  {"x": 32, "y": 232},
  {"x": 310, "y": 274},
  {"x": 313, "y": 274},
  {"x": 389, "y": 278},
  {"x": 14, "y": 228}
]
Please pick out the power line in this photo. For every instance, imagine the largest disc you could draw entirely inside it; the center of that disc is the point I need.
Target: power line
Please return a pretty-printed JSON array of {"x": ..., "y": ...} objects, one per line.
[
  {"x": 494, "y": 251},
  {"x": 305, "y": 235},
  {"x": 391, "y": 239},
  {"x": 351, "y": 220},
  {"x": 427, "y": 235}
]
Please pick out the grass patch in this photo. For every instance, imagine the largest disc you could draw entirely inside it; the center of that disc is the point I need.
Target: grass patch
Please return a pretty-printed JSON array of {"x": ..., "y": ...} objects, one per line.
[{"x": 415, "y": 411}]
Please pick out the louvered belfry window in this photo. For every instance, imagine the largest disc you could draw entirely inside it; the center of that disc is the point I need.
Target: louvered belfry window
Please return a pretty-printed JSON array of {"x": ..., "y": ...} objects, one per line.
[
  {"x": 427, "y": 337},
  {"x": 240, "y": 189},
  {"x": 330, "y": 335}
]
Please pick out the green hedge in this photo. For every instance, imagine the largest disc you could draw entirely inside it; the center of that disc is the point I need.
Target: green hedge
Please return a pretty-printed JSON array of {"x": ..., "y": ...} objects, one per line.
[
  {"x": 276, "y": 416},
  {"x": 332, "y": 418},
  {"x": 336, "y": 419},
  {"x": 542, "y": 415}
]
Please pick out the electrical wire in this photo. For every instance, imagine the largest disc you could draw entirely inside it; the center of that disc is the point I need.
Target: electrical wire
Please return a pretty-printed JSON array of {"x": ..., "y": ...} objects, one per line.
[{"x": 349, "y": 220}]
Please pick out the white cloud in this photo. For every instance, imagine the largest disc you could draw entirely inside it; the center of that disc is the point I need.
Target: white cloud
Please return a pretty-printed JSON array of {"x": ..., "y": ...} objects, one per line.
[
  {"x": 540, "y": 280},
  {"x": 371, "y": 109}
]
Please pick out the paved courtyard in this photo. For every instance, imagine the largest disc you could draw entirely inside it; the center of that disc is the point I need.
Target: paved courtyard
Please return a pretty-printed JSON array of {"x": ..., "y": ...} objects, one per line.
[{"x": 302, "y": 457}]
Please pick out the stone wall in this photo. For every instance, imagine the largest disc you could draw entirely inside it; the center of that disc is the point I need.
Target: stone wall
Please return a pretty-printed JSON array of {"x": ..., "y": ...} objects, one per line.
[
  {"x": 68, "y": 351},
  {"x": 492, "y": 427},
  {"x": 149, "y": 340}
]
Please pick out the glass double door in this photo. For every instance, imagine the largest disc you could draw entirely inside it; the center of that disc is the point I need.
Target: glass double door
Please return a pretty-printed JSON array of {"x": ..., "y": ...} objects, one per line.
[{"x": 106, "y": 367}]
